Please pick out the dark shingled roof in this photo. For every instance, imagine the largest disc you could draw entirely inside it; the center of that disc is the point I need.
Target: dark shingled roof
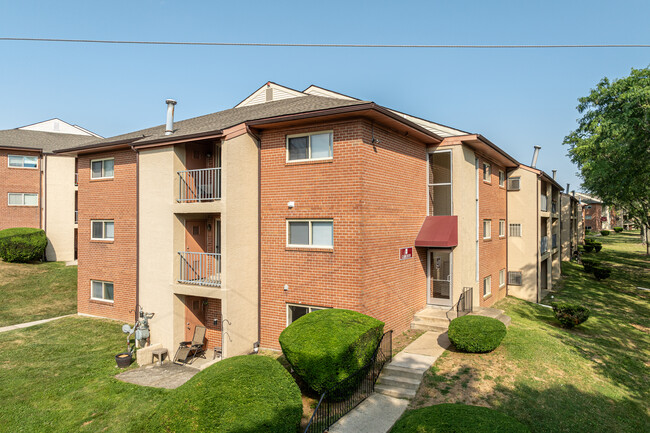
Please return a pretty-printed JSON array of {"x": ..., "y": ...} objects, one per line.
[
  {"x": 231, "y": 117},
  {"x": 45, "y": 141}
]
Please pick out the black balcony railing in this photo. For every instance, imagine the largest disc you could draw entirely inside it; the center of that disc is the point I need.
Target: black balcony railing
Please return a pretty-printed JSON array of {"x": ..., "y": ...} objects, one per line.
[{"x": 357, "y": 388}]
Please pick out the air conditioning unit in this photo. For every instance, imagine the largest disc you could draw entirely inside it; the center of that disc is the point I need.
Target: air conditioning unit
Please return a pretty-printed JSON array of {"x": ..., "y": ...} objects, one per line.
[
  {"x": 514, "y": 183},
  {"x": 515, "y": 278}
]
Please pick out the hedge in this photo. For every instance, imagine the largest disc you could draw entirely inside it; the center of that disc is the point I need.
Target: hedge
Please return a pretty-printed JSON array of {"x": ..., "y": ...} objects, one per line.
[
  {"x": 241, "y": 394},
  {"x": 618, "y": 229},
  {"x": 326, "y": 347},
  {"x": 598, "y": 246},
  {"x": 457, "y": 418},
  {"x": 476, "y": 334},
  {"x": 589, "y": 248},
  {"x": 602, "y": 272},
  {"x": 588, "y": 264},
  {"x": 22, "y": 244},
  {"x": 604, "y": 232},
  {"x": 570, "y": 315}
]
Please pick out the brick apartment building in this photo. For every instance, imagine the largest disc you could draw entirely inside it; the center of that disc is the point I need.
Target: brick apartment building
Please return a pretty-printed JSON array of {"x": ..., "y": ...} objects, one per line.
[
  {"x": 246, "y": 219},
  {"x": 38, "y": 187}
]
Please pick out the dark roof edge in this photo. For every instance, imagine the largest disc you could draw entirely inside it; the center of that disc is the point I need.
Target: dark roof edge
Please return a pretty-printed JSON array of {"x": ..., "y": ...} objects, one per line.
[
  {"x": 26, "y": 149},
  {"x": 498, "y": 149},
  {"x": 98, "y": 146}
]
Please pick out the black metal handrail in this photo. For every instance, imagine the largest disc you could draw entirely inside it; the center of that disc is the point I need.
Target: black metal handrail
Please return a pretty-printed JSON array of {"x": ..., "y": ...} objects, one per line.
[
  {"x": 465, "y": 302},
  {"x": 362, "y": 384}
]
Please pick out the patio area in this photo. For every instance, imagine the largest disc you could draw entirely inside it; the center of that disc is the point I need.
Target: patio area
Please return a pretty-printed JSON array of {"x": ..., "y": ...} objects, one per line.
[{"x": 168, "y": 375}]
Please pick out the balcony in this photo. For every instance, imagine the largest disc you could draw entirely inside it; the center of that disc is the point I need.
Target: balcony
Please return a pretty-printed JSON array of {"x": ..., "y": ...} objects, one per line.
[
  {"x": 554, "y": 206},
  {"x": 554, "y": 241},
  {"x": 544, "y": 203},
  {"x": 195, "y": 186},
  {"x": 76, "y": 217},
  {"x": 543, "y": 245},
  {"x": 203, "y": 269},
  {"x": 76, "y": 179}
]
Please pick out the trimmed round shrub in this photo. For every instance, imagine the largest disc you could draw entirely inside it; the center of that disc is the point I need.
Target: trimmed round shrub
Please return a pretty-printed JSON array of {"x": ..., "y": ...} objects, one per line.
[
  {"x": 618, "y": 229},
  {"x": 602, "y": 272},
  {"x": 589, "y": 241},
  {"x": 587, "y": 231},
  {"x": 597, "y": 246},
  {"x": 22, "y": 244},
  {"x": 604, "y": 232},
  {"x": 570, "y": 315},
  {"x": 327, "y": 347},
  {"x": 589, "y": 248},
  {"x": 588, "y": 264},
  {"x": 241, "y": 394},
  {"x": 476, "y": 334},
  {"x": 457, "y": 418}
]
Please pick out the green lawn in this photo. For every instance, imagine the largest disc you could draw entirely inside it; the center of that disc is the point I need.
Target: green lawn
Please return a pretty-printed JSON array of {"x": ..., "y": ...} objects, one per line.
[
  {"x": 594, "y": 378},
  {"x": 33, "y": 291},
  {"x": 59, "y": 377}
]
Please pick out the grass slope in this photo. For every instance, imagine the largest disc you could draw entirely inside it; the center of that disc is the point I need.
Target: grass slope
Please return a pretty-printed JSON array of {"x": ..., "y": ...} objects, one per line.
[
  {"x": 593, "y": 378},
  {"x": 34, "y": 291}
]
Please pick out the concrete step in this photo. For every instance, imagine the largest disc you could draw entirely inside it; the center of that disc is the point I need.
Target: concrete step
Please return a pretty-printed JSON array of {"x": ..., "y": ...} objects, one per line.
[
  {"x": 402, "y": 382},
  {"x": 395, "y": 391},
  {"x": 403, "y": 372},
  {"x": 505, "y": 319},
  {"x": 438, "y": 321},
  {"x": 428, "y": 327}
]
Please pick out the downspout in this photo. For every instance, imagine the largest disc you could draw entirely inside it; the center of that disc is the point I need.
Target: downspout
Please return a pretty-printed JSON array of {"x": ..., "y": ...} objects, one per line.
[
  {"x": 259, "y": 234},
  {"x": 41, "y": 209},
  {"x": 538, "y": 289},
  {"x": 507, "y": 233},
  {"x": 477, "y": 176},
  {"x": 137, "y": 230}
]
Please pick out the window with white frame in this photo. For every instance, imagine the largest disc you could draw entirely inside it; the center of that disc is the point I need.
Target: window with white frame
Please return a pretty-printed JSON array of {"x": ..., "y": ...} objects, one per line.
[
  {"x": 487, "y": 229},
  {"x": 102, "y": 230},
  {"x": 502, "y": 277},
  {"x": 101, "y": 290},
  {"x": 502, "y": 228},
  {"x": 22, "y": 199},
  {"x": 502, "y": 178},
  {"x": 102, "y": 168},
  {"x": 22, "y": 161},
  {"x": 487, "y": 172},
  {"x": 309, "y": 146},
  {"x": 310, "y": 233},
  {"x": 440, "y": 187},
  {"x": 515, "y": 278},
  {"x": 515, "y": 230},
  {"x": 295, "y": 312},
  {"x": 487, "y": 285}
]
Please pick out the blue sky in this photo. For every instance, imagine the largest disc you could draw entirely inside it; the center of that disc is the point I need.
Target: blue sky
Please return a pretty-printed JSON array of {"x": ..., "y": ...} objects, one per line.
[{"x": 516, "y": 98}]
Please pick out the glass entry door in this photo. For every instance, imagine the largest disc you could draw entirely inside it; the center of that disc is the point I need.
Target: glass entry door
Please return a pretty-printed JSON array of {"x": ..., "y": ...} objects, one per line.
[{"x": 439, "y": 284}]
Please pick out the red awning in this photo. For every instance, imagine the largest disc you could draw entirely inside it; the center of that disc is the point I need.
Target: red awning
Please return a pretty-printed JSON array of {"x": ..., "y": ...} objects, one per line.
[{"x": 438, "y": 231}]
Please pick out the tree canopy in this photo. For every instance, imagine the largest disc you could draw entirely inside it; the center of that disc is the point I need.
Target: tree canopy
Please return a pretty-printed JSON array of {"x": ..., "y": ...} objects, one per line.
[{"x": 611, "y": 145}]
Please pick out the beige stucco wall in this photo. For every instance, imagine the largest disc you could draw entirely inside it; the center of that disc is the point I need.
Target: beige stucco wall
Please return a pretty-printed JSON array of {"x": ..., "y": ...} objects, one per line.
[
  {"x": 59, "y": 207},
  {"x": 240, "y": 243},
  {"x": 523, "y": 251},
  {"x": 567, "y": 232}
]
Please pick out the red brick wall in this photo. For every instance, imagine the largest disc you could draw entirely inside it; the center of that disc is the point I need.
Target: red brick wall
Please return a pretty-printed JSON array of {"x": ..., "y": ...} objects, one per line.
[
  {"x": 108, "y": 260},
  {"x": 376, "y": 197},
  {"x": 596, "y": 213},
  {"x": 492, "y": 252},
  {"x": 25, "y": 180},
  {"x": 213, "y": 333}
]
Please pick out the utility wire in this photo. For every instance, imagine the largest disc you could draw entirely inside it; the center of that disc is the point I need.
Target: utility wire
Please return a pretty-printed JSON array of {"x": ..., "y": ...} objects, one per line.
[{"x": 261, "y": 44}]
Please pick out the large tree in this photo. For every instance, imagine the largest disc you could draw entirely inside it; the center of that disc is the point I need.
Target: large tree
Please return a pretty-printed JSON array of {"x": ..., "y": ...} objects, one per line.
[{"x": 611, "y": 145}]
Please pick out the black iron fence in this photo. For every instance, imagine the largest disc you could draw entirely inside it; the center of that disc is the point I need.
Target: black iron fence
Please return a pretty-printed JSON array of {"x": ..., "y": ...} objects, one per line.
[
  {"x": 356, "y": 388},
  {"x": 465, "y": 302}
]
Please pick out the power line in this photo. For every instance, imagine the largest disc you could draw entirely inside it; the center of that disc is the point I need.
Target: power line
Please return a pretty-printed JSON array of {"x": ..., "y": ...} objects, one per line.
[{"x": 296, "y": 45}]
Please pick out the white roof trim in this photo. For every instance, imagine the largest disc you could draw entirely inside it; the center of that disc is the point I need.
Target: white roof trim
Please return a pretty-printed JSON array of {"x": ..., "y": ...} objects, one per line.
[{"x": 279, "y": 92}]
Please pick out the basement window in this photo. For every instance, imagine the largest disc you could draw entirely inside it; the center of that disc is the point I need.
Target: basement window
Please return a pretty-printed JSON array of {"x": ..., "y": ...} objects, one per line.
[{"x": 295, "y": 312}]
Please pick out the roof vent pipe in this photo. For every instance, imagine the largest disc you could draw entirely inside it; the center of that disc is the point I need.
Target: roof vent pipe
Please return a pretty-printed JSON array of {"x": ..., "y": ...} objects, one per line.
[
  {"x": 567, "y": 187},
  {"x": 169, "y": 129},
  {"x": 535, "y": 155},
  {"x": 554, "y": 173}
]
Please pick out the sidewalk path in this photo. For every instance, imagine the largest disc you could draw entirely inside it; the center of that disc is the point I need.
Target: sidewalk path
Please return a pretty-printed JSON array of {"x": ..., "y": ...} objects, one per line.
[
  {"x": 28, "y": 324},
  {"x": 381, "y": 410}
]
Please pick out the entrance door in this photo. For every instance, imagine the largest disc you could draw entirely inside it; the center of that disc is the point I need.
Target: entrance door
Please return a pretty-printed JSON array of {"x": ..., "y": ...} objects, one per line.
[
  {"x": 194, "y": 315},
  {"x": 196, "y": 264},
  {"x": 196, "y": 238},
  {"x": 439, "y": 284}
]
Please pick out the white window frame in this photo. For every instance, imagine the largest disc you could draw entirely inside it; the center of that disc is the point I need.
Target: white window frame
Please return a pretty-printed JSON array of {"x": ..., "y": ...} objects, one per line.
[
  {"x": 23, "y": 159},
  {"x": 311, "y": 308},
  {"x": 22, "y": 194},
  {"x": 502, "y": 179},
  {"x": 104, "y": 238},
  {"x": 310, "y": 221},
  {"x": 487, "y": 170},
  {"x": 451, "y": 176},
  {"x": 502, "y": 228},
  {"x": 487, "y": 280},
  {"x": 309, "y": 135},
  {"x": 489, "y": 231},
  {"x": 103, "y": 291},
  {"x": 510, "y": 227},
  {"x": 502, "y": 277},
  {"x": 103, "y": 170}
]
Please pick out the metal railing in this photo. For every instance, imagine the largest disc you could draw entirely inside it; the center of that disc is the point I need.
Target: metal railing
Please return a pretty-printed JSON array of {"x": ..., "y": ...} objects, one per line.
[
  {"x": 543, "y": 245},
  {"x": 357, "y": 388},
  {"x": 465, "y": 302},
  {"x": 199, "y": 185},
  {"x": 203, "y": 269},
  {"x": 554, "y": 241},
  {"x": 76, "y": 179},
  {"x": 76, "y": 217},
  {"x": 553, "y": 206},
  {"x": 544, "y": 203}
]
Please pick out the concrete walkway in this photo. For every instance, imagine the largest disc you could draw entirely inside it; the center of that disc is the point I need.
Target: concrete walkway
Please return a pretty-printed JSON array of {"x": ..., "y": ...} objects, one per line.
[
  {"x": 398, "y": 382},
  {"x": 168, "y": 376},
  {"x": 28, "y": 324}
]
